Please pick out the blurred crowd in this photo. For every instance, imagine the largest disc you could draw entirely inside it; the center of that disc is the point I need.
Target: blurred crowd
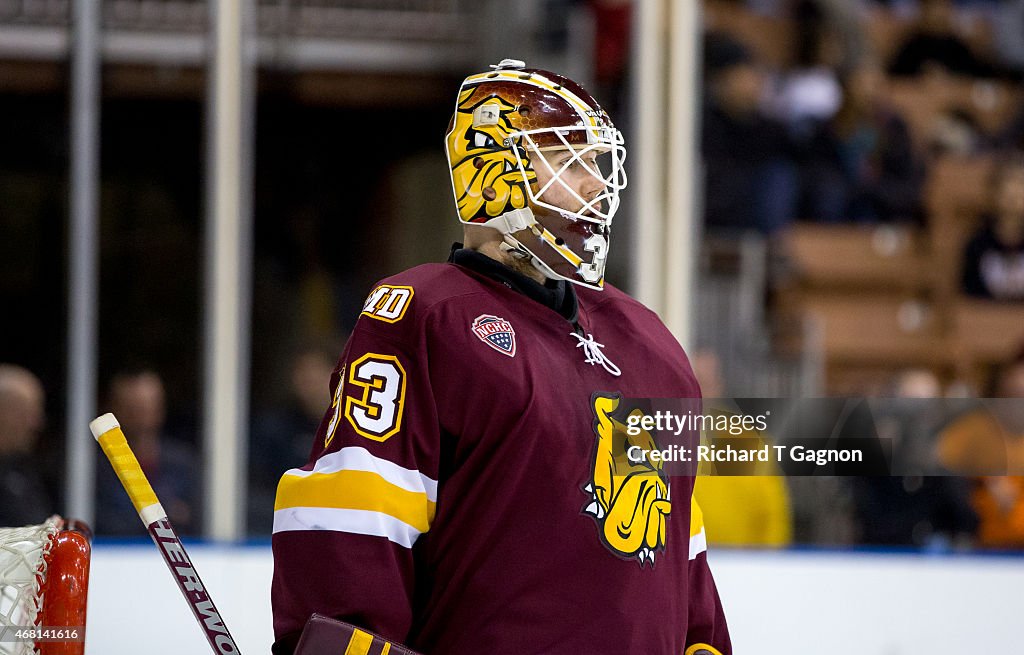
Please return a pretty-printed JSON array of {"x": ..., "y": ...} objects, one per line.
[
  {"x": 823, "y": 117},
  {"x": 30, "y": 466}
]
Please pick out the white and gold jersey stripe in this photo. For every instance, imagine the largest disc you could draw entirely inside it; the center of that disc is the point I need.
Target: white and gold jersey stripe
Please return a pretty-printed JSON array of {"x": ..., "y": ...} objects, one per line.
[{"x": 354, "y": 491}]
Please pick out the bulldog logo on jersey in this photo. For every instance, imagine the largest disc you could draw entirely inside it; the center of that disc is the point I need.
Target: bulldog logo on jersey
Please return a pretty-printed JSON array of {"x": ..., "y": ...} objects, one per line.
[
  {"x": 630, "y": 501},
  {"x": 496, "y": 333}
]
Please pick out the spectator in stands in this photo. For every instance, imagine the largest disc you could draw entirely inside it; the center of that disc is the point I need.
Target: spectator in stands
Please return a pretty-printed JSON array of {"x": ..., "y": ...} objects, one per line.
[
  {"x": 751, "y": 178},
  {"x": 25, "y": 497},
  {"x": 744, "y": 504},
  {"x": 281, "y": 437},
  {"x": 915, "y": 509},
  {"x": 808, "y": 94},
  {"x": 862, "y": 166},
  {"x": 993, "y": 261},
  {"x": 990, "y": 441},
  {"x": 933, "y": 46},
  {"x": 137, "y": 398}
]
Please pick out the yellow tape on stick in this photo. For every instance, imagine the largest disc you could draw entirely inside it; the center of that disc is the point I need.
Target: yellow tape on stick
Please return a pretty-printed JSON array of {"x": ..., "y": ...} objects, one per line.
[{"x": 108, "y": 433}]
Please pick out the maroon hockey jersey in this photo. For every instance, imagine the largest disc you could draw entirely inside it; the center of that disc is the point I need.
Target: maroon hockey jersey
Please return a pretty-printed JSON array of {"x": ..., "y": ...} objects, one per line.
[{"x": 462, "y": 496}]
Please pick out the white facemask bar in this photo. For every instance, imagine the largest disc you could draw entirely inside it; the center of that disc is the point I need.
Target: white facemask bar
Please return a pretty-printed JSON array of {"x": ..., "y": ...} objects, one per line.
[{"x": 607, "y": 140}]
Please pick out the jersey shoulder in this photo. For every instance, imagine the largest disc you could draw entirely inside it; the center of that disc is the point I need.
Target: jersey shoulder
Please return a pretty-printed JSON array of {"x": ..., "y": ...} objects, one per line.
[
  {"x": 613, "y": 299},
  {"x": 435, "y": 282},
  {"x": 612, "y": 306},
  {"x": 398, "y": 305}
]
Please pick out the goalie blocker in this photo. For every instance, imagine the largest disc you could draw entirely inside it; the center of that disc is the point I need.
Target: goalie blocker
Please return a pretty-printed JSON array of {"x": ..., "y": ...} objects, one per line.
[{"x": 326, "y": 636}]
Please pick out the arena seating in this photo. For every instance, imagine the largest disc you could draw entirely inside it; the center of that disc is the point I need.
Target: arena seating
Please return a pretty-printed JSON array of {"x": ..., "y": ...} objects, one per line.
[
  {"x": 889, "y": 297},
  {"x": 883, "y": 298}
]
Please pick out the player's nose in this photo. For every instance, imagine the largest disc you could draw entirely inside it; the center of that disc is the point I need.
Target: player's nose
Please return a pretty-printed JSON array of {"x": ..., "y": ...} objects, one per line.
[
  {"x": 593, "y": 186},
  {"x": 592, "y": 190}
]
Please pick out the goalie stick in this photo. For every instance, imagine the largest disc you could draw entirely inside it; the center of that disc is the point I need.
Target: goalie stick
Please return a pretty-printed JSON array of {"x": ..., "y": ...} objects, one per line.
[{"x": 108, "y": 433}]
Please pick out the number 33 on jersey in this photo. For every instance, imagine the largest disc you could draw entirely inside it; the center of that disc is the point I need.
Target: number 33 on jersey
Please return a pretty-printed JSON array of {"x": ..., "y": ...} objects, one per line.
[{"x": 375, "y": 400}]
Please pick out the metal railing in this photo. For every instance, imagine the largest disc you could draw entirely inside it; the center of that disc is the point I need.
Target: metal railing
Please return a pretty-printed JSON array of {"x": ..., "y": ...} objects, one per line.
[
  {"x": 379, "y": 35},
  {"x": 731, "y": 289},
  {"x": 428, "y": 20}
]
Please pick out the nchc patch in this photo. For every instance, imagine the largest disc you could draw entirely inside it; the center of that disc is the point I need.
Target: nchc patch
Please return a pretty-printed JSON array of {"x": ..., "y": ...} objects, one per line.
[{"x": 496, "y": 333}]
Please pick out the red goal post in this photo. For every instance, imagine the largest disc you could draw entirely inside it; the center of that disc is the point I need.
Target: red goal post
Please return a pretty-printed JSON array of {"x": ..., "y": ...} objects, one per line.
[{"x": 44, "y": 585}]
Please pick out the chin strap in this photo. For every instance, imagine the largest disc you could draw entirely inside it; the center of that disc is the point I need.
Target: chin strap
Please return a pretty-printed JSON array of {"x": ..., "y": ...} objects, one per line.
[
  {"x": 516, "y": 221},
  {"x": 592, "y": 353}
]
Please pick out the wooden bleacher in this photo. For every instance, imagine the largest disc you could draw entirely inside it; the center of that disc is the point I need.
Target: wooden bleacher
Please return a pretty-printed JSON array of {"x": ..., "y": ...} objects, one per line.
[
  {"x": 866, "y": 291},
  {"x": 957, "y": 195},
  {"x": 845, "y": 257},
  {"x": 876, "y": 328},
  {"x": 886, "y": 299},
  {"x": 987, "y": 331}
]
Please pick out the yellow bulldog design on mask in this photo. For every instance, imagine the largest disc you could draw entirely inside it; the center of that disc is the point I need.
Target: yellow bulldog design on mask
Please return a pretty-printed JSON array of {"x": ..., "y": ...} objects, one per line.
[
  {"x": 629, "y": 500},
  {"x": 488, "y": 176}
]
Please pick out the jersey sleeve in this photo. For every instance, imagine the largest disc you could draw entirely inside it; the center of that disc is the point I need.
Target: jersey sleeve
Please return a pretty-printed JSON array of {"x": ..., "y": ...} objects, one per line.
[
  {"x": 346, "y": 523},
  {"x": 707, "y": 632}
]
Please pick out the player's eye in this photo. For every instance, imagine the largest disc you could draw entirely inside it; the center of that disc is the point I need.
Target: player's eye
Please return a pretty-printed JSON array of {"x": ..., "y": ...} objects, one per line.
[{"x": 594, "y": 165}]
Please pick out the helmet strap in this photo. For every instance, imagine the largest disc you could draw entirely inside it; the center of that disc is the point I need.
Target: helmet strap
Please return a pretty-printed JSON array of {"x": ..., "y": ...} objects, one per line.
[
  {"x": 508, "y": 224},
  {"x": 513, "y": 221}
]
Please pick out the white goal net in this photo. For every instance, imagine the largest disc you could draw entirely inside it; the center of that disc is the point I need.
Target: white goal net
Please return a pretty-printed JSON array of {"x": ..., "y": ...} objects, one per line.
[{"x": 23, "y": 561}]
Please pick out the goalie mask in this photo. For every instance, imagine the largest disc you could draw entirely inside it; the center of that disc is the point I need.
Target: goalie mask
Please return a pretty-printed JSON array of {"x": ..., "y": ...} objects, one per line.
[{"x": 534, "y": 156}]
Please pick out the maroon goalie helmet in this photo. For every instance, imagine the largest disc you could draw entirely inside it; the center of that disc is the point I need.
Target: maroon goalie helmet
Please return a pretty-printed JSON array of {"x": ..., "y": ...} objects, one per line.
[{"x": 534, "y": 156}]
